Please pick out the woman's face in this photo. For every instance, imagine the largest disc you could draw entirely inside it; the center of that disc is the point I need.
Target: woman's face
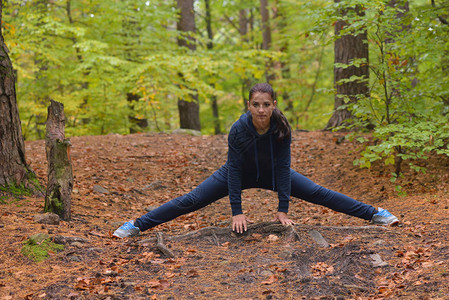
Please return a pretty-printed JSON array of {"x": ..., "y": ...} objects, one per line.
[{"x": 261, "y": 106}]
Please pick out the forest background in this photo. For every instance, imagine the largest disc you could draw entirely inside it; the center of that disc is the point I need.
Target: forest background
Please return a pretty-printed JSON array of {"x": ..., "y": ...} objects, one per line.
[
  {"x": 134, "y": 66},
  {"x": 377, "y": 68}
]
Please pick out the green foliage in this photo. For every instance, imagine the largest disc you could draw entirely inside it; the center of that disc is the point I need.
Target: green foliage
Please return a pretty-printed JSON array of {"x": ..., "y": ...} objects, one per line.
[
  {"x": 92, "y": 55},
  {"x": 113, "y": 62},
  {"x": 39, "y": 250},
  {"x": 409, "y": 83},
  {"x": 408, "y": 141}
]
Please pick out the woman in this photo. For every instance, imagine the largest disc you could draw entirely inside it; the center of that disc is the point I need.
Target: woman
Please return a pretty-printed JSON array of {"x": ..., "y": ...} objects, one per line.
[{"x": 258, "y": 157}]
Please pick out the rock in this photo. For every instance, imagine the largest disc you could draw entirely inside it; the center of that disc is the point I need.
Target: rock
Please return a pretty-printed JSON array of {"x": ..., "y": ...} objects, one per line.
[
  {"x": 187, "y": 131},
  {"x": 155, "y": 185},
  {"x": 47, "y": 218},
  {"x": 75, "y": 258},
  {"x": 379, "y": 243},
  {"x": 111, "y": 273},
  {"x": 266, "y": 273},
  {"x": 377, "y": 261},
  {"x": 318, "y": 238},
  {"x": 99, "y": 189},
  {"x": 96, "y": 249},
  {"x": 39, "y": 238},
  {"x": 69, "y": 239}
]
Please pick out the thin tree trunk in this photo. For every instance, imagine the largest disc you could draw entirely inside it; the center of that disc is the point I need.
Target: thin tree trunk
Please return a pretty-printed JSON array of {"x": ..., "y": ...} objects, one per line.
[
  {"x": 137, "y": 124},
  {"x": 284, "y": 63},
  {"x": 210, "y": 46},
  {"x": 266, "y": 35},
  {"x": 189, "y": 110},
  {"x": 444, "y": 62},
  {"x": 402, "y": 8},
  {"x": 60, "y": 178},
  {"x": 317, "y": 75},
  {"x": 347, "y": 48},
  {"x": 243, "y": 31}
]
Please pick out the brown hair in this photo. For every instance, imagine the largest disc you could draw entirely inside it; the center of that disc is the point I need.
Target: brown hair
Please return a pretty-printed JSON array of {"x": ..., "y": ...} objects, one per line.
[{"x": 283, "y": 129}]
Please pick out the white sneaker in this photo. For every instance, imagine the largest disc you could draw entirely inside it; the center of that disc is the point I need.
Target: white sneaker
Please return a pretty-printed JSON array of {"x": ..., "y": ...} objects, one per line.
[
  {"x": 384, "y": 217},
  {"x": 126, "y": 230}
]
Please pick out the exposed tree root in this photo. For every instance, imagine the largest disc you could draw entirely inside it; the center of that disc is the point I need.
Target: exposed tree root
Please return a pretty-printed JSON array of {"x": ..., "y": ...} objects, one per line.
[
  {"x": 262, "y": 228},
  {"x": 161, "y": 246}
]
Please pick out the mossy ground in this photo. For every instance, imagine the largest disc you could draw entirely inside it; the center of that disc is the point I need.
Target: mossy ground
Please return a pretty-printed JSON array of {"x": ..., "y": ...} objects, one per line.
[
  {"x": 40, "y": 251},
  {"x": 13, "y": 191}
]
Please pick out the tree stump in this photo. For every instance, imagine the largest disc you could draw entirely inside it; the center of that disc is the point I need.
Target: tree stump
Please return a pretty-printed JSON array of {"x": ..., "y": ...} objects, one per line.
[{"x": 60, "y": 177}]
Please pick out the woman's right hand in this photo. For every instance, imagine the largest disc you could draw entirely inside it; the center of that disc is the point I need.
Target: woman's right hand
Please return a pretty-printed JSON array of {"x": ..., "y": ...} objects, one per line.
[{"x": 239, "y": 223}]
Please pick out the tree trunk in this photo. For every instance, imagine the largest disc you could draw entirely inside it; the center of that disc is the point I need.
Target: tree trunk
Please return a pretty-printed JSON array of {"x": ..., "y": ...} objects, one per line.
[
  {"x": 137, "y": 124},
  {"x": 444, "y": 63},
  {"x": 266, "y": 35},
  {"x": 210, "y": 46},
  {"x": 14, "y": 169},
  {"x": 60, "y": 178},
  {"x": 284, "y": 65},
  {"x": 347, "y": 48},
  {"x": 243, "y": 31},
  {"x": 189, "y": 110}
]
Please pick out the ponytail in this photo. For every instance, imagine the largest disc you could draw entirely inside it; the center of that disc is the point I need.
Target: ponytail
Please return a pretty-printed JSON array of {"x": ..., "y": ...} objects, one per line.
[{"x": 283, "y": 129}]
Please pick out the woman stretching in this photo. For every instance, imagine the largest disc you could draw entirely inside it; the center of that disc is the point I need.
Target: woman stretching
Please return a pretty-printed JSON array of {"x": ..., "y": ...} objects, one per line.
[{"x": 258, "y": 157}]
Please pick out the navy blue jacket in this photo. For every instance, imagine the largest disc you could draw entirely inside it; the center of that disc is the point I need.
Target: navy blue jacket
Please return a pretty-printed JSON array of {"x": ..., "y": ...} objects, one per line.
[{"x": 256, "y": 160}]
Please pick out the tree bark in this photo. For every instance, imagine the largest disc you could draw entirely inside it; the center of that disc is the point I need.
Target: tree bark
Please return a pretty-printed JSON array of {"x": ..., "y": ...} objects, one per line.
[
  {"x": 60, "y": 178},
  {"x": 243, "y": 31},
  {"x": 284, "y": 65},
  {"x": 266, "y": 38},
  {"x": 347, "y": 48},
  {"x": 189, "y": 110},
  {"x": 14, "y": 169},
  {"x": 137, "y": 124},
  {"x": 210, "y": 46}
]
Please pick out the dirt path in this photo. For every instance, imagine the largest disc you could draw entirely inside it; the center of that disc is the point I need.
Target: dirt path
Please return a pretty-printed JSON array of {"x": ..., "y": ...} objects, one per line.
[{"x": 142, "y": 171}]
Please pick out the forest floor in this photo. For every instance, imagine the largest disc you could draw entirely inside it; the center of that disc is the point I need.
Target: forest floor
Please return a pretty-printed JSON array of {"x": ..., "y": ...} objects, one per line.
[{"x": 270, "y": 261}]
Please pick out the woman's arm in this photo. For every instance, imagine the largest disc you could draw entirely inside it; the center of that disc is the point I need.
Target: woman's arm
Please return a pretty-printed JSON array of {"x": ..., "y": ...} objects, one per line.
[
  {"x": 239, "y": 221},
  {"x": 234, "y": 173},
  {"x": 283, "y": 176}
]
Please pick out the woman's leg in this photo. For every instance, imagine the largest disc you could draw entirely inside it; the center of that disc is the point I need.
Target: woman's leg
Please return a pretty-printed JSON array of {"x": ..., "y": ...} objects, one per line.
[
  {"x": 306, "y": 189},
  {"x": 212, "y": 189}
]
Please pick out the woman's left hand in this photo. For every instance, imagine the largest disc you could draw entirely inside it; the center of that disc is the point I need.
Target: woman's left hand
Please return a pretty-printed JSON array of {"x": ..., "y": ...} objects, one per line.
[{"x": 282, "y": 217}]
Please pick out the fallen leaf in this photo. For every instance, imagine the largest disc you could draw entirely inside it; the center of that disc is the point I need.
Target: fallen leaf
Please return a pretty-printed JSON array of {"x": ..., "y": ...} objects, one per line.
[
  {"x": 320, "y": 269},
  {"x": 153, "y": 284},
  {"x": 256, "y": 236},
  {"x": 192, "y": 273},
  {"x": 273, "y": 238},
  {"x": 272, "y": 279}
]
